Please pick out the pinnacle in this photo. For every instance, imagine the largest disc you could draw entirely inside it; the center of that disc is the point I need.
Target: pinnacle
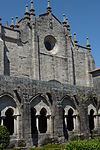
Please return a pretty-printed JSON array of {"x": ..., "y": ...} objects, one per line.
[
  {"x": 12, "y": 23},
  {"x": 26, "y": 9},
  {"x": 75, "y": 39},
  {"x": 32, "y": 8},
  {"x": 48, "y": 7},
  {"x": 64, "y": 20},
  {"x": 16, "y": 23},
  {"x": 88, "y": 43}
]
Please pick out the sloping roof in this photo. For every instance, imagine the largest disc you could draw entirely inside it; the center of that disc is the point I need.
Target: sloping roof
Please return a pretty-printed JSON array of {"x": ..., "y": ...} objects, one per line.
[
  {"x": 45, "y": 14},
  {"x": 95, "y": 70}
]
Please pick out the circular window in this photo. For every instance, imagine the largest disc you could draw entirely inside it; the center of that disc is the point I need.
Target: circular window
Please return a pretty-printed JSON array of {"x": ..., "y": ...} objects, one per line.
[{"x": 49, "y": 42}]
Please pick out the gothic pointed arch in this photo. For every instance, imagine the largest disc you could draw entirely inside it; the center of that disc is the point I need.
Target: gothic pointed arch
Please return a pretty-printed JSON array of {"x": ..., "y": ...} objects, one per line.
[
  {"x": 11, "y": 96},
  {"x": 9, "y": 111},
  {"x": 39, "y": 101},
  {"x": 68, "y": 101},
  {"x": 69, "y": 116}
]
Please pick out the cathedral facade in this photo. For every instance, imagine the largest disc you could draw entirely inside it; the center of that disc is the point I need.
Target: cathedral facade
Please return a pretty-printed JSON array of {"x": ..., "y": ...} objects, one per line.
[{"x": 49, "y": 86}]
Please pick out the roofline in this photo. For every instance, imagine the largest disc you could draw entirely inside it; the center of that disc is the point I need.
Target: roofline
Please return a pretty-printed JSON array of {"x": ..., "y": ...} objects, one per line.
[
  {"x": 52, "y": 15},
  {"x": 83, "y": 47},
  {"x": 95, "y": 70}
]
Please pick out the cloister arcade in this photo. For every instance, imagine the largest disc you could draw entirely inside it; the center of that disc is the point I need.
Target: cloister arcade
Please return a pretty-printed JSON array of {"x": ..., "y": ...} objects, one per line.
[{"x": 41, "y": 116}]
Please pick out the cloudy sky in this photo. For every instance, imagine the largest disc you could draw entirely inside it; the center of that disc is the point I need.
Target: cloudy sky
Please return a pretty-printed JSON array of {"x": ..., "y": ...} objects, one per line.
[{"x": 83, "y": 15}]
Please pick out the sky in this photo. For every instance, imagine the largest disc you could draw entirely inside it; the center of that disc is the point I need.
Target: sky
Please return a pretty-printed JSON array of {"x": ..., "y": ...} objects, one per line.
[{"x": 83, "y": 16}]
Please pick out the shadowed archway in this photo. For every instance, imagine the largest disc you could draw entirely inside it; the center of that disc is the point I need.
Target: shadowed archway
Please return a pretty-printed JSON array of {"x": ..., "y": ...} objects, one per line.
[
  {"x": 70, "y": 122},
  {"x": 91, "y": 120},
  {"x": 33, "y": 121},
  {"x": 43, "y": 121},
  {"x": 9, "y": 120}
]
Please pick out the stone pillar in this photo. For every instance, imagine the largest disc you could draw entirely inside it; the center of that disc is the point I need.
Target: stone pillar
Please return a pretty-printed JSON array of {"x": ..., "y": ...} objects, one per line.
[
  {"x": 37, "y": 122},
  {"x": 1, "y": 52},
  {"x": 35, "y": 72},
  {"x": 52, "y": 126},
  {"x": 15, "y": 125},
  {"x": 58, "y": 122},
  {"x": 48, "y": 124},
  {"x": 76, "y": 124},
  {"x": 95, "y": 122},
  {"x": 27, "y": 120},
  {"x": 66, "y": 121},
  {"x": 97, "y": 127},
  {"x": 2, "y": 118}
]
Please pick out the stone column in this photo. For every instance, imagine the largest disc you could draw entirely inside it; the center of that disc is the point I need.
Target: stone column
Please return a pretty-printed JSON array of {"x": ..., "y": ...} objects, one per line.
[
  {"x": 37, "y": 122},
  {"x": 27, "y": 119},
  {"x": 95, "y": 122},
  {"x": 48, "y": 124},
  {"x": 1, "y": 52},
  {"x": 52, "y": 126},
  {"x": 97, "y": 125},
  {"x": 2, "y": 118},
  {"x": 15, "y": 125},
  {"x": 76, "y": 124},
  {"x": 66, "y": 121},
  {"x": 58, "y": 121}
]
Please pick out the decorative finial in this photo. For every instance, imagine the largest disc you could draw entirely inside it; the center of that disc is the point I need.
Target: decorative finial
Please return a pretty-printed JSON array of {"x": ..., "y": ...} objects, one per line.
[
  {"x": 67, "y": 24},
  {"x": 32, "y": 14},
  {"x": 12, "y": 23},
  {"x": 64, "y": 20},
  {"x": 32, "y": 8},
  {"x": 75, "y": 39},
  {"x": 26, "y": 15},
  {"x": 16, "y": 23},
  {"x": 88, "y": 43},
  {"x": 0, "y": 21},
  {"x": 26, "y": 9},
  {"x": 7, "y": 24},
  {"x": 48, "y": 7}
]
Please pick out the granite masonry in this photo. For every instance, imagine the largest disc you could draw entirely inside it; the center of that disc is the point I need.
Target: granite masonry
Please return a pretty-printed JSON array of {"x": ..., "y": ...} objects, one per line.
[{"x": 49, "y": 86}]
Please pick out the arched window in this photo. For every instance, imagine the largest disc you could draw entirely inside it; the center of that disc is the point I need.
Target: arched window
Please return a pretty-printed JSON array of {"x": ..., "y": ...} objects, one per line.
[
  {"x": 43, "y": 121},
  {"x": 70, "y": 122},
  {"x": 9, "y": 120},
  {"x": 33, "y": 121},
  {"x": 91, "y": 120}
]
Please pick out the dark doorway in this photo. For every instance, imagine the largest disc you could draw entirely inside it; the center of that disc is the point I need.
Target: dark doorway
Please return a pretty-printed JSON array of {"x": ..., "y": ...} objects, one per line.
[
  {"x": 9, "y": 121},
  {"x": 33, "y": 121},
  {"x": 91, "y": 120},
  {"x": 34, "y": 131},
  {"x": 43, "y": 121},
  {"x": 64, "y": 126},
  {"x": 70, "y": 122}
]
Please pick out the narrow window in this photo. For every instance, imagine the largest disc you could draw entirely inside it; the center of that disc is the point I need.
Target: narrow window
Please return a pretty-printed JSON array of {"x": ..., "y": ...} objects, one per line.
[
  {"x": 9, "y": 121},
  {"x": 43, "y": 121},
  {"x": 91, "y": 120},
  {"x": 70, "y": 122},
  {"x": 33, "y": 121}
]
